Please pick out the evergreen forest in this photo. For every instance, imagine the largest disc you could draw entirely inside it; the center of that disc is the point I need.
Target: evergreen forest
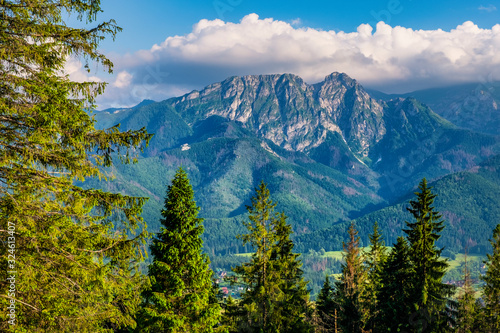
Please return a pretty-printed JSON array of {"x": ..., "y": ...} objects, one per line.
[{"x": 77, "y": 258}]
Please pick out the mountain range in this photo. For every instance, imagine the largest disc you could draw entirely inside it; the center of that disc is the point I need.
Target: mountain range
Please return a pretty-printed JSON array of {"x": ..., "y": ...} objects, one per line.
[
  {"x": 330, "y": 152},
  {"x": 475, "y": 106}
]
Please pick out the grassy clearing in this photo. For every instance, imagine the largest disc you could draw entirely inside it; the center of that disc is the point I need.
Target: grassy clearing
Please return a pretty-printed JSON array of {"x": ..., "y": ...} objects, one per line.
[
  {"x": 333, "y": 254},
  {"x": 460, "y": 259},
  {"x": 244, "y": 255}
]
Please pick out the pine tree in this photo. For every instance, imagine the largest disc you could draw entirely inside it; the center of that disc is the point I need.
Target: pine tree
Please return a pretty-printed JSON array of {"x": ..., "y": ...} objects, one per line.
[
  {"x": 491, "y": 288},
  {"x": 231, "y": 315},
  {"x": 430, "y": 295},
  {"x": 326, "y": 308},
  {"x": 275, "y": 297},
  {"x": 466, "y": 304},
  {"x": 180, "y": 292},
  {"x": 293, "y": 306},
  {"x": 374, "y": 260},
  {"x": 75, "y": 250},
  {"x": 350, "y": 289},
  {"x": 394, "y": 296}
]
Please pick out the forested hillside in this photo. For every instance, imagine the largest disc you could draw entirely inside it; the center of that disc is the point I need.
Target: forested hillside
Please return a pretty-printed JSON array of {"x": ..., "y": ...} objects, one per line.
[
  {"x": 468, "y": 200},
  {"x": 329, "y": 152}
]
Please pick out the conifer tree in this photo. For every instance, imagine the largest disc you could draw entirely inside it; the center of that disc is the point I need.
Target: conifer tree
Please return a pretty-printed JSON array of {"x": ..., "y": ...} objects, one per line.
[
  {"x": 231, "y": 315},
  {"x": 293, "y": 306},
  {"x": 350, "y": 289},
  {"x": 180, "y": 292},
  {"x": 374, "y": 260},
  {"x": 76, "y": 250},
  {"x": 275, "y": 297},
  {"x": 466, "y": 304},
  {"x": 430, "y": 295},
  {"x": 491, "y": 288},
  {"x": 326, "y": 308},
  {"x": 394, "y": 296}
]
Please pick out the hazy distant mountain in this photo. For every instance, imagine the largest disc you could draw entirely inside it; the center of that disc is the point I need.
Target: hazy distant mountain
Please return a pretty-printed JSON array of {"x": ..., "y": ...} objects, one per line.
[
  {"x": 474, "y": 106},
  {"x": 329, "y": 151}
]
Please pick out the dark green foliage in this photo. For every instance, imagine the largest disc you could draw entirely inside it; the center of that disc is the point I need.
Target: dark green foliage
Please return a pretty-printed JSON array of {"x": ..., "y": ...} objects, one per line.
[
  {"x": 231, "y": 315},
  {"x": 480, "y": 324},
  {"x": 374, "y": 261},
  {"x": 491, "y": 288},
  {"x": 395, "y": 304},
  {"x": 275, "y": 297},
  {"x": 350, "y": 289},
  {"x": 429, "y": 294},
  {"x": 293, "y": 305},
  {"x": 180, "y": 296},
  {"x": 326, "y": 309}
]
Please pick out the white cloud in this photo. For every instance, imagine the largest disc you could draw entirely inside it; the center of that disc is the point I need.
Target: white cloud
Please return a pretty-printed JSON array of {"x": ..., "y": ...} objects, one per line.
[
  {"x": 394, "y": 59},
  {"x": 489, "y": 8},
  {"x": 74, "y": 68},
  {"x": 123, "y": 79}
]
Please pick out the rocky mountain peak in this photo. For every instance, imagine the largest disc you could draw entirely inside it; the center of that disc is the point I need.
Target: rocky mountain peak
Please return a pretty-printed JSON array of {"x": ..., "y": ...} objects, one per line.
[
  {"x": 341, "y": 78},
  {"x": 289, "y": 112}
]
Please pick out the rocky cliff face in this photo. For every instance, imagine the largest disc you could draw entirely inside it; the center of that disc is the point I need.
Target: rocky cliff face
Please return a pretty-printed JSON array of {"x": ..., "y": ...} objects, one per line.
[
  {"x": 356, "y": 114},
  {"x": 337, "y": 123},
  {"x": 291, "y": 113},
  {"x": 334, "y": 122}
]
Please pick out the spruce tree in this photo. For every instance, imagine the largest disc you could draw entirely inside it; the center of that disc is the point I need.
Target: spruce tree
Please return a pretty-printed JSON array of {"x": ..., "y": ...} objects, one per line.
[
  {"x": 430, "y": 295},
  {"x": 75, "y": 250},
  {"x": 326, "y": 309},
  {"x": 491, "y": 288},
  {"x": 293, "y": 306},
  {"x": 349, "y": 292},
  {"x": 180, "y": 292},
  {"x": 275, "y": 297},
  {"x": 466, "y": 303},
  {"x": 231, "y": 315},
  {"x": 394, "y": 296},
  {"x": 374, "y": 260}
]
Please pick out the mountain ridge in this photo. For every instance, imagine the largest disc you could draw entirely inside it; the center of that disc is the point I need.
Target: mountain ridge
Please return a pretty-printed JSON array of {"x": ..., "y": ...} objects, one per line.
[
  {"x": 329, "y": 151},
  {"x": 473, "y": 106}
]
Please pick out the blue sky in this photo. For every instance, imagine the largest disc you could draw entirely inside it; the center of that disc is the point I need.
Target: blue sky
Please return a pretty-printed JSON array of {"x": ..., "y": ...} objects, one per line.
[
  {"x": 168, "y": 48},
  {"x": 148, "y": 22}
]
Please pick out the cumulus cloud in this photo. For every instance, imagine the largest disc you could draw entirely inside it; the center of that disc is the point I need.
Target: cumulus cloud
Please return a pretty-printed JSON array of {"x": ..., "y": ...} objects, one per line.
[
  {"x": 122, "y": 79},
  {"x": 393, "y": 59}
]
